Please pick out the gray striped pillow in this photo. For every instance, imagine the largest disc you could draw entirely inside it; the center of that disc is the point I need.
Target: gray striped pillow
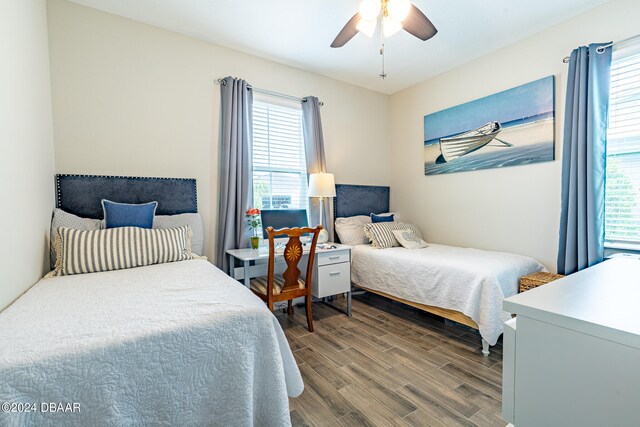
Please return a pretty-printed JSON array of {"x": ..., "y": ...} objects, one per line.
[
  {"x": 91, "y": 251},
  {"x": 381, "y": 233}
]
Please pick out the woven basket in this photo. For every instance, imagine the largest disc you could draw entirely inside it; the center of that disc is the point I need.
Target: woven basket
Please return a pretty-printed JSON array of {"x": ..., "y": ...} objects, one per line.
[{"x": 536, "y": 279}]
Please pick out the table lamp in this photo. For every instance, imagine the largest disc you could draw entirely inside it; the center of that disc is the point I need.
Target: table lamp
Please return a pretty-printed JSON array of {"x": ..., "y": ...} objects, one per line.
[{"x": 322, "y": 185}]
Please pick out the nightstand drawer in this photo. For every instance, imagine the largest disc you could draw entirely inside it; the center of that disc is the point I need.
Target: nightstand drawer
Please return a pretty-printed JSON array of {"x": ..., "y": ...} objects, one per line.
[
  {"x": 334, "y": 257},
  {"x": 333, "y": 279}
]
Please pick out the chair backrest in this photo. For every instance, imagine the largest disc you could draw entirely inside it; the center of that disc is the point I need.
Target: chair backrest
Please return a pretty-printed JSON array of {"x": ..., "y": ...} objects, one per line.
[{"x": 292, "y": 256}]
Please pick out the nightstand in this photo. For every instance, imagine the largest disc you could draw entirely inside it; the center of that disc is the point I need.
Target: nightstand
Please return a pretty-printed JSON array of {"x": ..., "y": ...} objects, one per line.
[{"x": 332, "y": 274}]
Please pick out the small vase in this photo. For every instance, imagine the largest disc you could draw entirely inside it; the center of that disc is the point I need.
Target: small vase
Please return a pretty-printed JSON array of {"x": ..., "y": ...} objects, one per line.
[
  {"x": 323, "y": 236},
  {"x": 255, "y": 242}
]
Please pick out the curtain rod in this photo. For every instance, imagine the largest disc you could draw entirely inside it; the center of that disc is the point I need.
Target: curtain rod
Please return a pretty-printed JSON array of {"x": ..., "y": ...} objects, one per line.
[
  {"x": 221, "y": 81},
  {"x": 601, "y": 49}
]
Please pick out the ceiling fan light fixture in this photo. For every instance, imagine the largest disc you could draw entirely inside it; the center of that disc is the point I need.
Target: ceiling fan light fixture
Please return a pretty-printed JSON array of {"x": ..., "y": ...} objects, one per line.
[
  {"x": 367, "y": 27},
  {"x": 370, "y": 9},
  {"x": 390, "y": 26},
  {"x": 398, "y": 9},
  {"x": 395, "y": 15}
]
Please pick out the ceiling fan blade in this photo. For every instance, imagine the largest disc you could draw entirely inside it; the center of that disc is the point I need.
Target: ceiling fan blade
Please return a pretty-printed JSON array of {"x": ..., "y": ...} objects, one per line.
[
  {"x": 347, "y": 32},
  {"x": 417, "y": 24}
]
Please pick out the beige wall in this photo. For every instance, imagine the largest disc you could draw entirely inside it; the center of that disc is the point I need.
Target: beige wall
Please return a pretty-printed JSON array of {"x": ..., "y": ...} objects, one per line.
[
  {"x": 133, "y": 99},
  {"x": 26, "y": 139},
  {"x": 515, "y": 209}
]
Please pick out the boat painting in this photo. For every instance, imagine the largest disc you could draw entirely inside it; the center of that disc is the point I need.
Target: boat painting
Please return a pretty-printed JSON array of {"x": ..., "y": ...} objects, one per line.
[
  {"x": 468, "y": 142},
  {"x": 510, "y": 128}
]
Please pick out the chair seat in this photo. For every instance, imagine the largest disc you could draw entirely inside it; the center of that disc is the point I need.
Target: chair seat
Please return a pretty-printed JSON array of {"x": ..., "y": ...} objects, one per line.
[{"x": 259, "y": 284}]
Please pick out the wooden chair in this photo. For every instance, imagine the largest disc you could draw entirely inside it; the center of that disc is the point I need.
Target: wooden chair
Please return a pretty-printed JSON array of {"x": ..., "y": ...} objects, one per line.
[{"x": 289, "y": 285}]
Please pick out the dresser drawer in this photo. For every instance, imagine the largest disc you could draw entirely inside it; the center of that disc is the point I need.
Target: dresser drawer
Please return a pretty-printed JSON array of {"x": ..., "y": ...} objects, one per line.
[
  {"x": 332, "y": 279},
  {"x": 334, "y": 257}
]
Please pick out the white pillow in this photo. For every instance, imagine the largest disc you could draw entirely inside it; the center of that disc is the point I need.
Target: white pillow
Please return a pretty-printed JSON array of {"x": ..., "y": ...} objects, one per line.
[
  {"x": 350, "y": 230},
  {"x": 408, "y": 239},
  {"x": 67, "y": 220},
  {"x": 193, "y": 220},
  {"x": 358, "y": 219}
]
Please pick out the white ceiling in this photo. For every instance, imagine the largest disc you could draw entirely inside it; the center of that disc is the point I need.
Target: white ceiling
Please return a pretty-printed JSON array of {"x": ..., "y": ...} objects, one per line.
[{"x": 299, "y": 32}]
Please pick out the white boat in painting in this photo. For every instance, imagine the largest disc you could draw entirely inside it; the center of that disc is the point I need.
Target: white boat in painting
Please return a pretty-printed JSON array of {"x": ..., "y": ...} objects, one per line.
[{"x": 457, "y": 146}]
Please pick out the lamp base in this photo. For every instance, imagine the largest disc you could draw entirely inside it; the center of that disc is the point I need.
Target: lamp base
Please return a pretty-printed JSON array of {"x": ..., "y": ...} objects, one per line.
[{"x": 323, "y": 236}]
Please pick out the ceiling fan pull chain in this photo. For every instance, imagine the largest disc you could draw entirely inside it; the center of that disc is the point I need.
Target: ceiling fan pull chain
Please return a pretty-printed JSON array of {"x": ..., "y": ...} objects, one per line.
[{"x": 383, "y": 75}]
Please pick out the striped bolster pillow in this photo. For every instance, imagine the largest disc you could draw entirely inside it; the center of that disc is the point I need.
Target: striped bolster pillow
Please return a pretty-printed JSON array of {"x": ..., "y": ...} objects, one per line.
[
  {"x": 381, "y": 236},
  {"x": 91, "y": 251}
]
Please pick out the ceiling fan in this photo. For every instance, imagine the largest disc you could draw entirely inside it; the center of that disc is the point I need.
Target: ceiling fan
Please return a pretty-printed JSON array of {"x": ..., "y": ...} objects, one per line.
[{"x": 395, "y": 15}]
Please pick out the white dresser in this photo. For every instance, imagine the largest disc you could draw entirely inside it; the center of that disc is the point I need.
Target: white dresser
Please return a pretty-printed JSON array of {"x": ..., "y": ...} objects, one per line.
[{"x": 572, "y": 354}]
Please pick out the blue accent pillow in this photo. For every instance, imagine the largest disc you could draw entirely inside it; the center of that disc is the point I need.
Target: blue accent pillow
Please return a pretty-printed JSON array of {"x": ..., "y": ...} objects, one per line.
[
  {"x": 127, "y": 215},
  {"x": 381, "y": 218}
]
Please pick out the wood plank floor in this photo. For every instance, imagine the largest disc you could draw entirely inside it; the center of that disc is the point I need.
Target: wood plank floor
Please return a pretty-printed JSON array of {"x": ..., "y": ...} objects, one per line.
[{"x": 391, "y": 365}]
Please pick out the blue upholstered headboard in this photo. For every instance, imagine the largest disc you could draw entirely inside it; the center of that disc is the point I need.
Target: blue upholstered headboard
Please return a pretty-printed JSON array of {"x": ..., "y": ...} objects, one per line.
[
  {"x": 354, "y": 200},
  {"x": 81, "y": 194}
]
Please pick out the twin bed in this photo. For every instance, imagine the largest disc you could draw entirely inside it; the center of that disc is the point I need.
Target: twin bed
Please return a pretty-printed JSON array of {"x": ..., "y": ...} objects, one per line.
[
  {"x": 178, "y": 343},
  {"x": 460, "y": 284}
]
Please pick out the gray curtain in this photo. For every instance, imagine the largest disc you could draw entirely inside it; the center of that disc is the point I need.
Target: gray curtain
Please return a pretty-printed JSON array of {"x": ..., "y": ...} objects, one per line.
[
  {"x": 235, "y": 179},
  {"x": 581, "y": 243},
  {"x": 316, "y": 162}
]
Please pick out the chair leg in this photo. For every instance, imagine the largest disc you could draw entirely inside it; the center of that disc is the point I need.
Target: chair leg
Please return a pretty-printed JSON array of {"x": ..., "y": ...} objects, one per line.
[
  {"x": 290, "y": 308},
  {"x": 307, "y": 301},
  {"x": 270, "y": 305}
]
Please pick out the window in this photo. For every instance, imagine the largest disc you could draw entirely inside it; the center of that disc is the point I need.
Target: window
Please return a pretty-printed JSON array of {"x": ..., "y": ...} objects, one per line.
[
  {"x": 622, "y": 203},
  {"x": 279, "y": 164}
]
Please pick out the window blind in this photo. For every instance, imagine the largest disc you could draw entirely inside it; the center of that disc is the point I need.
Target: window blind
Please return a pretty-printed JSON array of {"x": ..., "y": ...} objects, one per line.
[
  {"x": 622, "y": 200},
  {"x": 279, "y": 164}
]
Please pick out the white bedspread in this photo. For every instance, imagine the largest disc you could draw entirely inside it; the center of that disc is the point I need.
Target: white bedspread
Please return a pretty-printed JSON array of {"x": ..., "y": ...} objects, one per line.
[
  {"x": 471, "y": 281},
  {"x": 178, "y": 344}
]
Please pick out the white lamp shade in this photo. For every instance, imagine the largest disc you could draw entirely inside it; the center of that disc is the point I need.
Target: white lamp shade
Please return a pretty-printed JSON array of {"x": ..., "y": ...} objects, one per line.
[
  {"x": 367, "y": 27},
  {"x": 322, "y": 185},
  {"x": 399, "y": 9},
  {"x": 370, "y": 9},
  {"x": 390, "y": 26}
]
